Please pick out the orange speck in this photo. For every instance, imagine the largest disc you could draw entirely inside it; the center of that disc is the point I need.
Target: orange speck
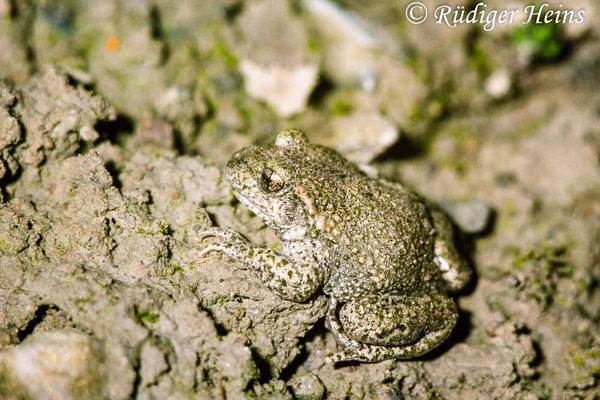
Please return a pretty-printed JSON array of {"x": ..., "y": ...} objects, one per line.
[{"x": 112, "y": 43}]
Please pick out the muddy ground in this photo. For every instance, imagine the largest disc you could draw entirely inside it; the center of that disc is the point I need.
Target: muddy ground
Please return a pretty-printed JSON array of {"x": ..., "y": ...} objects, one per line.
[{"x": 116, "y": 116}]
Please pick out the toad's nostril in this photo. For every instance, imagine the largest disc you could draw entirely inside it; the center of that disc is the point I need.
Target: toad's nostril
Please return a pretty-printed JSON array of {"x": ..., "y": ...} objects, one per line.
[
  {"x": 235, "y": 162},
  {"x": 234, "y": 166}
]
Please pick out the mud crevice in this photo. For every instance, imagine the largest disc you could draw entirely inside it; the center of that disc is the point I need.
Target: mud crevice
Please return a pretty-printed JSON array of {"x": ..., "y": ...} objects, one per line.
[
  {"x": 264, "y": 368},
  {"x": 136, "y": 364},
  {"x": 37, "y": 319},
  {"x": 116, "y": 130},
  {"x": 168, "y": 354},
  {"x": 26, "y": 11},
  {"x": 222, "y": 331},
  {"x": 157, "y": 33},
  {"x": 318, "y": 330}
]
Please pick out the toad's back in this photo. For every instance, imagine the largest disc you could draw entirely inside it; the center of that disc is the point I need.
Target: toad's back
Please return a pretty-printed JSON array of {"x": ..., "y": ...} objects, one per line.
[{"x": 381, "y": 237}]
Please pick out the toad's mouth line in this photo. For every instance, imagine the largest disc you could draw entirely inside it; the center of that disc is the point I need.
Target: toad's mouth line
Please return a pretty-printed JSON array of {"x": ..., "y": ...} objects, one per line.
[
  {"x": 256, "y": 208},
  {"x": 264, "y": 213}
]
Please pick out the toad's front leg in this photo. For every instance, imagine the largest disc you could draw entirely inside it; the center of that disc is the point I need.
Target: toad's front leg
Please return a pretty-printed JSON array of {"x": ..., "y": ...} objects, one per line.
[{"x": 294, "y": 280}]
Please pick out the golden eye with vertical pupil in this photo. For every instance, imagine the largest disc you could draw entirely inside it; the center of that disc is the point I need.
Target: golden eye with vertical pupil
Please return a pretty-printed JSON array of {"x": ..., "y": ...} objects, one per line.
[{"x": 271, "y": 181}]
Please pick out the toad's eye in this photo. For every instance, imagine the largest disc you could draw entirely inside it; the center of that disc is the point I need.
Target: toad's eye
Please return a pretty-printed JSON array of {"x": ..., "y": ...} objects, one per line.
[{"x": 271, "y": 181}]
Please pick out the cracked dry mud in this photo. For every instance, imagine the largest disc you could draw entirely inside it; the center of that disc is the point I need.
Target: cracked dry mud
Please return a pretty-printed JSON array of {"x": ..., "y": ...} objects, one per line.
[
  {"x": 110, "y": 164},
  {"x": 108, "y": 264}
]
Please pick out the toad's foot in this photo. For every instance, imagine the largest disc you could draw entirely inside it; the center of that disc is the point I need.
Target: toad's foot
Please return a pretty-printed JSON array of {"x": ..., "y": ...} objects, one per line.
[
  {"x": 455, "y": 270},
  {"x": 228, "y": 239},
  {"x": 341, "y": 338},
  {"x": 372, "y": 353},
  {"x": 333, "y": 324},
  {"x": 223, "y": 234}
]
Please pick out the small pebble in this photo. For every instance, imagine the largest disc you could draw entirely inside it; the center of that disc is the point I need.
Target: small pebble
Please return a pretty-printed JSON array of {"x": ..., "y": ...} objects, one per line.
[
  {"x": 307, "y": 387},
  {"x": 471, "y": 216},
  {"x": 499, "y": 84},
  {"x": 384, "y": 392}
]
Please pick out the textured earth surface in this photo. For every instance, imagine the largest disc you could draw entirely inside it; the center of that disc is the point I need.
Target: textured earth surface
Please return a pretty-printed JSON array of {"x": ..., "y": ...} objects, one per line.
[{"x": 115, "y": 120}]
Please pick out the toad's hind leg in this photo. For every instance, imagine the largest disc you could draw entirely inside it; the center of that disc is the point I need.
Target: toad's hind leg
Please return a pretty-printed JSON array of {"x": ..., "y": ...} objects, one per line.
[
  {"x": 333, "y": 324},
  {"x": 455, "y": 270},
  {"x": 383, "y": 326}
]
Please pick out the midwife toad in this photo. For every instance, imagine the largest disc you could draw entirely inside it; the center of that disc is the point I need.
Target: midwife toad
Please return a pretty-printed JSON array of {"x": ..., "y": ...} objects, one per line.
[{"x": 383, "y": 256}]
